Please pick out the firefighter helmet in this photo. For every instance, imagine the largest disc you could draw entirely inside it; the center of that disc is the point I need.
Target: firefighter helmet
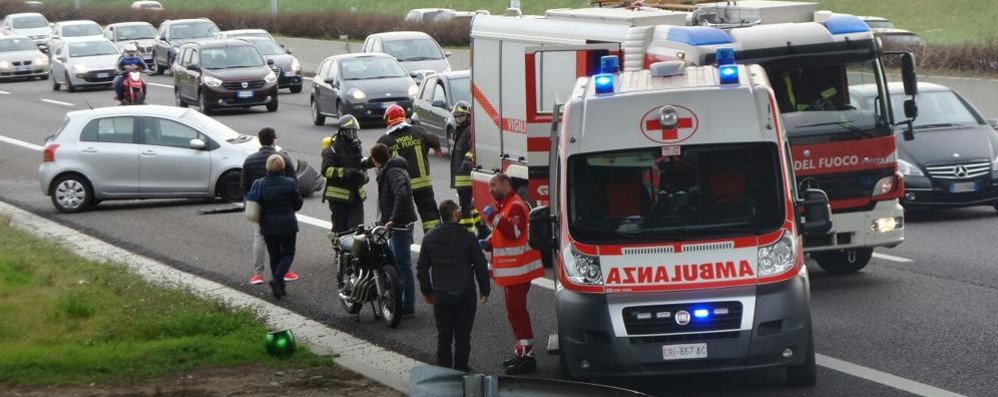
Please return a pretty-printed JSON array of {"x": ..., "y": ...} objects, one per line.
[
  {"x": 394, "y": 115},
  {"x": 461, "y": 108},
  {"x": 327, "y": 142},
  {"x": 349, "y": 126}
]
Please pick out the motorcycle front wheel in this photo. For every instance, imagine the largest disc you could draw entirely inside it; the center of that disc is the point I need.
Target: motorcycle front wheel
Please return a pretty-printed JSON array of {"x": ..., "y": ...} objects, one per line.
[{"x": 390, "y": 296}]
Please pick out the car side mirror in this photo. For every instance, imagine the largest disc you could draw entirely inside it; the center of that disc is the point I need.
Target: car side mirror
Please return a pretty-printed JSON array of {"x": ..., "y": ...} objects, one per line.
[
  {"x": 270, "y": 61},
  {"x": 440, "y": 104},
  {"x": 289, "y": 51},
  {"x": 908, "y": 75},
  {"x": 540, "y": 235},
  {"x": 198, "y": 144},
  {"x": 194, "y": 67},
  {"x": 413, "y": 74},
  {"x": 993, "y": 123},
  {"x": 817, "y": 213}
]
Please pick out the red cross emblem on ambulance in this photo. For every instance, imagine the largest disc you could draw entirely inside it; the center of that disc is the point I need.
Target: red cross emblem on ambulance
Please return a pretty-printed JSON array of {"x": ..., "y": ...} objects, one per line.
[{"x": 687, "y": 125}]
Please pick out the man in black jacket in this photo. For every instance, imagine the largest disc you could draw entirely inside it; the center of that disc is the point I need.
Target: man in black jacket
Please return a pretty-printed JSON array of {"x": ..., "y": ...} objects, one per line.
[
  {"x": 461, "y": 163},
  {"x": 398, "y": 212},
  {"x": 255, "y": 167},
  {"x": 450, "y": 263}
]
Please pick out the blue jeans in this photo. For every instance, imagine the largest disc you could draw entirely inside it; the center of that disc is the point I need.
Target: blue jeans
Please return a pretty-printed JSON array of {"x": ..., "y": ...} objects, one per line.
[{"x": 400, "y": 244}]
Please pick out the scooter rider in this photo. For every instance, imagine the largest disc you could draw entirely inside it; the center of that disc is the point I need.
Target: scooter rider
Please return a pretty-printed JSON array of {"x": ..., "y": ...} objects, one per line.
[
  {"x": 461, "y": 162},
  {"x": 345, "y": 179},
  {"x": 129, "y": 58}
]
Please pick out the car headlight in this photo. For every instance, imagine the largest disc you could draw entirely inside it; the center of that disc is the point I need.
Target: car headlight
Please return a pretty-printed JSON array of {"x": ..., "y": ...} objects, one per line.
[
  {"x": 270, "y": 77},
  {"x": 778, "y": 257},
  {"x": 909, "y": 169},
  {"x": 5, "y": 65},
  {"x": 42, "y": 61},
  {"x": 295, "y": 66},
  {"x": 582, "y": 269},
  {"x": 357, "y": 94},
  {"x": 211, "y": 81},
  {"x": 413, "y": 89},
  {"x": 79, "y": 68}
]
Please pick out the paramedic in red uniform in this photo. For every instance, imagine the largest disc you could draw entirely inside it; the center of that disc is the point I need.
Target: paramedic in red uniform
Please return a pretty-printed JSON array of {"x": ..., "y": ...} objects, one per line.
[{"x": 514, "y": 265}]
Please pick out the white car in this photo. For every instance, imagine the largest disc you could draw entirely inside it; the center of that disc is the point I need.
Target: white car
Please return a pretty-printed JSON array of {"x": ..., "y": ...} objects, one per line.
[
  {"x": 425, "y": 15},
  {"x": 31, "y": 24},
  {"x": 147, "y": 6},
  {"x": 84, "y": 63},
  {"x": 142, "y": 152},
  {"x": 20, "y": 58},
  {"x": 418, "y": 52},
  {"x": 243, "y": 33},
  {"x": 74, "y": 30}
]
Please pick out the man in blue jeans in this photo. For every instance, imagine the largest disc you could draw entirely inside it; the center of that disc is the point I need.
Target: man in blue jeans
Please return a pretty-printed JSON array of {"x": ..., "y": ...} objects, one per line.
[{"x": 398, "y": 212}]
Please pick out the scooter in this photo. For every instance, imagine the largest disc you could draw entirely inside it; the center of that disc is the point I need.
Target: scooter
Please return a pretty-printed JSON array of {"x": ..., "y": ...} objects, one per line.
[{"x": 134, "y": 87}]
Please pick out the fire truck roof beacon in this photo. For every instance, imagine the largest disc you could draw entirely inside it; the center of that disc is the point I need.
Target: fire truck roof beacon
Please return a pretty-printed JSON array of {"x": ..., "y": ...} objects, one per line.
[{"x": 609, "y": 64}]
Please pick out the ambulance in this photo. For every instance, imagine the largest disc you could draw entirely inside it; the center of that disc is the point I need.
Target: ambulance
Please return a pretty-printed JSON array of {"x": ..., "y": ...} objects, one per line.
[
  {"x": 676, "y": 225},
  {"x": 813, "y": 59}
]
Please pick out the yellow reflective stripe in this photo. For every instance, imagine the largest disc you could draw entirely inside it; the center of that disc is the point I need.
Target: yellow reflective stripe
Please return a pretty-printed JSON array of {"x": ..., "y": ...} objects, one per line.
[
  {"x": 462, "y": 181},
  {"x": 421, "y": 162},
  {"x": 469, "y": 156},
  {"x": 790, "y": 90},
  {"x": 830, "y": 92},
  {"x": 335, "y": 171},
  {"x": 363, "y": 194},
  {"x": 421, "y": 182},
  {"x": 427, "y": 225},
  {"x": 337, "y": 192}
]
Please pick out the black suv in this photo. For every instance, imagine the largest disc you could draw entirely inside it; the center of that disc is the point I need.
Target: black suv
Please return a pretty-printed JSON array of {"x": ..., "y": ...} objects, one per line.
[
  {"x": 175, "y": 33},
  {"x": 224, "y": 73}
]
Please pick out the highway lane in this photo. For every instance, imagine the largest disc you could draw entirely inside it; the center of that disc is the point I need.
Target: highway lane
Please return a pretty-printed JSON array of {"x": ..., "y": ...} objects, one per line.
[{"x": 914, "y": 320}]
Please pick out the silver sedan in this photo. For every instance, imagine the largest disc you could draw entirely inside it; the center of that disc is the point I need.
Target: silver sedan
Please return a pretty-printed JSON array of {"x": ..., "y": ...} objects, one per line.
[
  {"x": 84, "y": 63},
  {"x": 142, "y": 152},
  {"x": 19, "y": 58}
]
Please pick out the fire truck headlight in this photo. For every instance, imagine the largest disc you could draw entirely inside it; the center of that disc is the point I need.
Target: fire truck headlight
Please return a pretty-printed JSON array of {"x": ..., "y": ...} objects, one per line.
[
  {"x": 777, "y": 257},
  {"x": 582, "y": 268},
  {"x": 884, "y": 185}
]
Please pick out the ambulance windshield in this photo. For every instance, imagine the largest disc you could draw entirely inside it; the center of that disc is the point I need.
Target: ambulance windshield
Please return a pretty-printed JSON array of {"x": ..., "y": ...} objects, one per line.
[
  {"x": 704, "y": 191},
  {"x": 813, "y": 97}
]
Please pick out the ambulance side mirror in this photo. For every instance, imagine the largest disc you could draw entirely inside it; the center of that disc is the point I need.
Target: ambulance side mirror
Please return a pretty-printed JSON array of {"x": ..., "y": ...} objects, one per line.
[
  {"x": 540, "y": 235},
  {"x": 815, "y": 213}
]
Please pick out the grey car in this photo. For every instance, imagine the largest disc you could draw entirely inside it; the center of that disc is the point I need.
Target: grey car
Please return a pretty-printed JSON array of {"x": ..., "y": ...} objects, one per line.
[
  {"x": 141, "y": 152},
  {"x": 437, "y": 95},
  {"x": 84, "y": 63},
  {"x": 363, "y": 85},
  {"x": 286, "y": 66},
  {"x": 143, "y": 34},
  {"x": 416, "y": 51},
  {"x": 20, "y": 58}
]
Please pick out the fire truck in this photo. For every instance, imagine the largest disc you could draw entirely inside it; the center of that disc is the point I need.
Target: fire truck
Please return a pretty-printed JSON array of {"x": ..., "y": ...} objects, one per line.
[
  {"x": 812, "y": 59},
  {"x": 673, "y": 219}
]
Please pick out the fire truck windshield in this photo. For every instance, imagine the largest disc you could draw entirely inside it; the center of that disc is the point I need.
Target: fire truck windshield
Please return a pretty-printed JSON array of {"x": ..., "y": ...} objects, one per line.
[
  {"x": 813, "y": 95},
  {"x": 708, "y": 191}
]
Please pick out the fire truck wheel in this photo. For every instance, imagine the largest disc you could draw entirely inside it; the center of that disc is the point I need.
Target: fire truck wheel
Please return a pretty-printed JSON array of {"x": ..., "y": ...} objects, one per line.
[
  {"x": 845, "y": 261},
  {"x": 805, "y": 374}
]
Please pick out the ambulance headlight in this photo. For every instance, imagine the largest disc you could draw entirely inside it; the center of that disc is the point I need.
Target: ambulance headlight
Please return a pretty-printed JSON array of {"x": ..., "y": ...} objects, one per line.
[
  {"x": 582, "y": 268},
  {"x": 777, "y": 257},
  {"x": 604, "y": 83},
  {"x": 728, "y": 74}
]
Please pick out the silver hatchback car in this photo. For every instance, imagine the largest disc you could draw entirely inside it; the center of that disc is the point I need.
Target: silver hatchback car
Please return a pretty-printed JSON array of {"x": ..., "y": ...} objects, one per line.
[{"x": 142, "y": 152}]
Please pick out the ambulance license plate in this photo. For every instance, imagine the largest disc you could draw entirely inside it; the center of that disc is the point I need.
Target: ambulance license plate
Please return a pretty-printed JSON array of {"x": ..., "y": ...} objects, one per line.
[
  {"x": 963, "y": 187},
  {"x": 244, "y": 94},
  {"x": 683, "y": 352}
]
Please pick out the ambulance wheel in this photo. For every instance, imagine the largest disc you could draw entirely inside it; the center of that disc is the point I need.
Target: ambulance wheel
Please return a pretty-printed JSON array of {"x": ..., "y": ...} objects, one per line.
[
  {"x": 805, "y": 374},
  {"x": 844, "y": 261}
]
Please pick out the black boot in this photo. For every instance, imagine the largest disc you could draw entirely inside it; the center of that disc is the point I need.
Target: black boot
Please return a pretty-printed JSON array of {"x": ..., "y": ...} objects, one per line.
[{"x": 521, "y": 366}]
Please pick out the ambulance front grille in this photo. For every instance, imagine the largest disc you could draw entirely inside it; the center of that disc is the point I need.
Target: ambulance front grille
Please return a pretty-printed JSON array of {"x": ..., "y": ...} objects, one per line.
[
  {"x": 648, "y": 250},
  {"x": 662, "y": 319},
  {"x": 709, "y": 247}
]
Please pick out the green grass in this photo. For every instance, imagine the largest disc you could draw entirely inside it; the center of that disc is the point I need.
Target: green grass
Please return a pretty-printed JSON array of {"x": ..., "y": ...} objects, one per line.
[{"x": 66, "y": 320}]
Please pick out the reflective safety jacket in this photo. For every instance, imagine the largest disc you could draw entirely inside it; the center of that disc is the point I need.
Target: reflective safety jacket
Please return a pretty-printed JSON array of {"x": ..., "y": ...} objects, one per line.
[
  {"x": 412, "y": 144},
  {"x": 513, "y": 261},
  {"x": 341, "y": 165},
  {"x": 461, "y": 158}
]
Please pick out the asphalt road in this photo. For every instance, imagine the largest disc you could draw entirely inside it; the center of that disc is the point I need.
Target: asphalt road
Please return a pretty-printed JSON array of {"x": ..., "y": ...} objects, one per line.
[{"x": 925, "y": 319}]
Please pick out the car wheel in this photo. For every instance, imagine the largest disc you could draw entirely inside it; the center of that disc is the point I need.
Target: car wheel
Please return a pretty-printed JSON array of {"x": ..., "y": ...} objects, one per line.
[
  {"x": 69, "y": 84},
  {"x": 229, "y": 187},
  {"x": 317, "y": 117},
  {"x": 180, "y": 101},
  {"x": 55, "y": 85},
  {"x": 44, "y": 77},
  {"x": 157, "y": 68},
  {"x": 272, "y": 105},
  {"x": 295, "y": 88},
  {"x": 72, "y": 193},
  {"x": 203, "y": 104},
  {"x": 844, "y": 261}
]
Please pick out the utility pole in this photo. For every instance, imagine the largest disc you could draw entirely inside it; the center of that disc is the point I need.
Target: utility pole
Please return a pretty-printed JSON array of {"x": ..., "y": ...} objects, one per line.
[
  {"x": 77, "y": 4},
  {"x": 273, "y": 7}
]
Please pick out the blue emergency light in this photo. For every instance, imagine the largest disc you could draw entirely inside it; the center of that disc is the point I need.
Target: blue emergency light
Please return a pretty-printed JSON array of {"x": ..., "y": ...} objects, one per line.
[
  {"x": 728, "y": 74},
  {"x": 604, "y": 83},
  {"x": 701, "y": 313},
  {"x": 845, "y": 24},
  {"x": 609, "y": 64},
  {"x": 725, "y": 56}
]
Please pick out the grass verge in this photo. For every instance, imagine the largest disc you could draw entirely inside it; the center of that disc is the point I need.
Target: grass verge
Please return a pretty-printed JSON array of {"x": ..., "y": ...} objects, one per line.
[{"x": 70, "y": 321}]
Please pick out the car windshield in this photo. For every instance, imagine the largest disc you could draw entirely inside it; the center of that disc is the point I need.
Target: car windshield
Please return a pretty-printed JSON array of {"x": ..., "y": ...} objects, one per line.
[
  {"x": 135, "y": 32},
  {"x": 81, "y": 30},
  {"x": 410, "y": 50},
  {"x": 371, "y": 68},
  {"x": 92, "y": 48},
  {"x": 935, "y": 109},
  {"x": 706, "y": 191},
  {"x": 461, "y": 89},
  {"x": 880, "y": 24},
  {"x": 16, "y": 44},
  {"x": 813, "y": 96},
  {"x": 192, "y": 30},
  {"x": 215, "y": 128},
  {"x": 230, "y": 57},
  {"x": 250, "y": 34},
  {"x": 30, "y": 22},
  {"x": 267, "y": 46}
]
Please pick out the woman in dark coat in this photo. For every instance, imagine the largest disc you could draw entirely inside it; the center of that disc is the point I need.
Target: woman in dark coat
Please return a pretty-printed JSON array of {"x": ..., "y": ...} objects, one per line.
[{"x": 279, "y": 200}]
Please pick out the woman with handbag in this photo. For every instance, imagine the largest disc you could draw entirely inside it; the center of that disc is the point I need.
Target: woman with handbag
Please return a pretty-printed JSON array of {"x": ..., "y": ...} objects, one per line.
[{"x": 273, "y": 201}]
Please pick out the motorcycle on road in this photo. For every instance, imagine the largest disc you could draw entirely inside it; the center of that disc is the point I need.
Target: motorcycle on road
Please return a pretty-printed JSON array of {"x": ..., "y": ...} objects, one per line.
[
  {"x": 368, "y": 275},
  {"x": 134, "y": 87}
]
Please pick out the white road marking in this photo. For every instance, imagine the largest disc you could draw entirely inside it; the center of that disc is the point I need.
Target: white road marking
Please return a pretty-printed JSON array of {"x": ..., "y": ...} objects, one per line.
[
  {"x": 54, "y": 102},
  {"x": 21, "y": 143},
  {"x": 883, "y": 378},
  {"x": 4, "y": 93},
  {"x": 891, "y": 258},
  {"x": 160, "y": 85}
]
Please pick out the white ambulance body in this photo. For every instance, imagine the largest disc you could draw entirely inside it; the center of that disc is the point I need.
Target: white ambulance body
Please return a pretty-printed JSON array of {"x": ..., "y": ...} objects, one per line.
[{"x": 672, "y": 221}]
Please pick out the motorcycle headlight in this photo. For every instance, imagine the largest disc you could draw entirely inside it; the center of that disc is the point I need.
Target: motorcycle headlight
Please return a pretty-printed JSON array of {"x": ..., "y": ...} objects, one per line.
[
  {"x": 582, "y": 268},
  {"x": 777, "y": 257},
  {"x": 79, "y": 68},
  {"x": 295, "y": 66},
  {"x": 909, "y": 169},
  {"x": 357, "y": 94},
  {"x": 211, "y": 81},
  {"x": 270, "y": 77},
  {"x": 413, "y": 89}
]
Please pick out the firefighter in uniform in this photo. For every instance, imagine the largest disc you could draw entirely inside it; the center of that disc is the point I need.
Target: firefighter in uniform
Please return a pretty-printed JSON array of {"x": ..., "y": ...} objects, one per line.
[
  {"x": 345, "y": 179},
  {"x": 461, "y": 162},
  {"x": 412, "y": 144},
  {"x": 514, "y": 265}
]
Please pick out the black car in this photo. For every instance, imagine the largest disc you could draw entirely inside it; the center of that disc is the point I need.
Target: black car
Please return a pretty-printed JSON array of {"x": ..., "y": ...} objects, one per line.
[
  {"x": 224, "y": 74},
  {"x": 175, "y": 33},
  {"x": 953, "y": 160},
  {"x": 363, "y": 85},
  {"x": 437, "y": 95}
]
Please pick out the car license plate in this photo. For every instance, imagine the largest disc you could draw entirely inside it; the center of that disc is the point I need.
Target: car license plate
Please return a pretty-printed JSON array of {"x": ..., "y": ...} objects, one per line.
[
  {"x": 103, "y": 75},
  {"x": 963, "y": 187},
  {"x": 385, "y": 105},
  {"x": 682, "y": 352},
  {"x": 244, "y": 94},
  {"x": 25, "y": 68}
]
